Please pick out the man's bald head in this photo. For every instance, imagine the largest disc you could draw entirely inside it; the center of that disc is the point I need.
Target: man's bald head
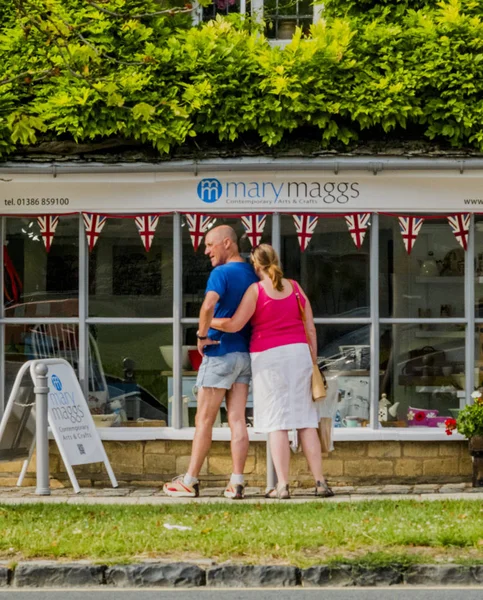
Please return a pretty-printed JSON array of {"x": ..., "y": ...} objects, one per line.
[
  {"x": 218, "y": 234},
  {"x": 222, "y": 245}
]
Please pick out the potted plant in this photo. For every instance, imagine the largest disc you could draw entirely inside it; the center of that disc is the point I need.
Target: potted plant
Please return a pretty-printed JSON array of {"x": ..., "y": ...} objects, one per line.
[{"x": 470, "y": 424}]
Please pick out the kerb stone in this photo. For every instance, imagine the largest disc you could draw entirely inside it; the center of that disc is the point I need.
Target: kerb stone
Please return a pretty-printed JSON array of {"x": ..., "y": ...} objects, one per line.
[
  {"x": 49, "y": 574},
  {"x": 156, "y": 575},
  {"x": 3, "y": 576},
  {"x": 323, "y": 575},
  {"x": 377, "y": 576},
  {"x": 439, "y": 575},
  {"x": 252, "y": 576}
]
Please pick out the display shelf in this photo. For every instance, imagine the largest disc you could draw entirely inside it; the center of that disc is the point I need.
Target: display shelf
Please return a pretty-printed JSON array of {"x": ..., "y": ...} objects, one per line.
[
  {"x": 439, "y": 334},
  {"x": 450, "y": 279}
]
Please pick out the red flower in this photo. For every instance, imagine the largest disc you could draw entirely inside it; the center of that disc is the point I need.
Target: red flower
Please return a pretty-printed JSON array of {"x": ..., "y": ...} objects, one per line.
[
  {"x": 419, "y": 416},
  {"x": 450, "y": 425}
]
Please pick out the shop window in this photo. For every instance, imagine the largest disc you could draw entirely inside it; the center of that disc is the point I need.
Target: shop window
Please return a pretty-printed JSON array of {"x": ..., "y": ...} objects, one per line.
[
  {"x": 128, "y": 370},
  {"x": 423, "y": 374},
  {"x": 124, "y": 279},
  {"x": 429, "y": 282},
  {"x": 331, "y": 271},
  {"x": 40, "y": 283}
]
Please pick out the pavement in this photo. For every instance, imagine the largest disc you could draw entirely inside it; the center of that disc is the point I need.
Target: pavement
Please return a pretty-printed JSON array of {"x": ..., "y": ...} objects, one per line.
[{"x": 151, "y": 495}]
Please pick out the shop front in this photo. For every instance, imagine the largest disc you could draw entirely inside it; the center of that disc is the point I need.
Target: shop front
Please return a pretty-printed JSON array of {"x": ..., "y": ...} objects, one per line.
[{"x": 104, "y": 266}]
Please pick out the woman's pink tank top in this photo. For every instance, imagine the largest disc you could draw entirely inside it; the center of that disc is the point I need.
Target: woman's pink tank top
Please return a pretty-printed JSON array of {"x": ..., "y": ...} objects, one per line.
[{"x": 276, "y": 322}]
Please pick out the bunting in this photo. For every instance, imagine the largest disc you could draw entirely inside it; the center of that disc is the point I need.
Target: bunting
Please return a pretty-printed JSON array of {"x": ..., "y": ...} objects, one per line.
[
  {"x": 198, "y": 225},
  {"x": 48, "y": 225},
  {"x": 460, "y": 226},
  {"x": 94, "y": 224},
  {"x": 305, "y": 226},
  {"x": 146, "y": 225},
  {"x": 254, "y": 226},
  {"x": 410, "y": 227},
  {"x": 358, "y": 225}
]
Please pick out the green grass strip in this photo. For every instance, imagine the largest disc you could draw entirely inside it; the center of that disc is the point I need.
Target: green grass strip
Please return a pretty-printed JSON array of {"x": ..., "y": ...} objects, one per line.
[{"x": 372, "y": 533}]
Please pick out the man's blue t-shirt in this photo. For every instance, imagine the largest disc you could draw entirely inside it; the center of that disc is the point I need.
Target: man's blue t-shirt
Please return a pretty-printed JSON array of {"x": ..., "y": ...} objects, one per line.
[{"x": 230, "y": 282}]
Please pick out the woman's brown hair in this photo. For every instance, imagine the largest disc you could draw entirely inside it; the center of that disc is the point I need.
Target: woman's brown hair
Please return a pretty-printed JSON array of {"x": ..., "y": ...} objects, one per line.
[{"x": 266, "y": 259}]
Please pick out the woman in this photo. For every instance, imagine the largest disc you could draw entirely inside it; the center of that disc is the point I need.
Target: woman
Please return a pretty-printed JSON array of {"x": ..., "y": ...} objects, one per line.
[{"x": 281, "y": 366}]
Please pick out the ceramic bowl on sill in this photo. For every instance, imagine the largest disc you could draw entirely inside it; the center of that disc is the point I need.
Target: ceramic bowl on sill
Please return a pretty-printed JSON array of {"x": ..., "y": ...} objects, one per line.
[{"x": 167, "y": 354}]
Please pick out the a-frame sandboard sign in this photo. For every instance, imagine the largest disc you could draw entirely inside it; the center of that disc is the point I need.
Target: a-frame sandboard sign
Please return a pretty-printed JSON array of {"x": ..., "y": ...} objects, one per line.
[{"x": 70, "y": 420}]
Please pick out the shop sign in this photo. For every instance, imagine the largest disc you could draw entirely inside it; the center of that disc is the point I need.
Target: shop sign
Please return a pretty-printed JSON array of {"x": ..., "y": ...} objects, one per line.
[
  {"x": 69, "y": 418},
  {"x": 349, "y": 191}
]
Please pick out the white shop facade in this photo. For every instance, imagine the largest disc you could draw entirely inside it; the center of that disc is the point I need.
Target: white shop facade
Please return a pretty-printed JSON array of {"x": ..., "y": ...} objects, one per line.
[{"x": 390, "y": 253}]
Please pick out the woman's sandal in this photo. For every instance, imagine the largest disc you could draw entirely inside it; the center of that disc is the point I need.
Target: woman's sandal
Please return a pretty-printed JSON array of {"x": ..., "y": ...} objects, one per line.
[
  {"x": 323, "y": 490},
  {"x": 280, "y": 492}
]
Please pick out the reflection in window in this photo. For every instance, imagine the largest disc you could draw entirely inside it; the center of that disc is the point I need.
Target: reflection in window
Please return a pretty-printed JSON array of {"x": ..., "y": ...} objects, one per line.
[
  {"x": 40, "y": 283},
  {"x": 127, "y": 364},
  {"x": 222, "y": 7},
  {"x": 332, "y": 272},
  {"x": 344, "y": 352},
  {"x": 426, "y": 284},
  {"x": 283, "y": 16},
  {"x": 423, "y": 374},
  {"x": 127, "y": 281}
]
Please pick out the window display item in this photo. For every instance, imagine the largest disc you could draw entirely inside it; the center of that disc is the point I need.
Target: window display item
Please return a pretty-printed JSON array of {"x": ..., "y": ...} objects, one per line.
[
  {"x": 386, "y": 409},
  {"x": 429, "y": 268},
  {"x": 420, "y": 417}
]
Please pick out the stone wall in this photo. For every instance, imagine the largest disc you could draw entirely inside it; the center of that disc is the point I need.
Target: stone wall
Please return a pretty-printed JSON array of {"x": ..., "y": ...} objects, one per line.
[{"x": 154, "y": 462}]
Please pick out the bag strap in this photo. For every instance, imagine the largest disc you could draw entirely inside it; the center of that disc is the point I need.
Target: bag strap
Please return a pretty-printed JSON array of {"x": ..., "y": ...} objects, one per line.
[{"x": 303, "y": 317}]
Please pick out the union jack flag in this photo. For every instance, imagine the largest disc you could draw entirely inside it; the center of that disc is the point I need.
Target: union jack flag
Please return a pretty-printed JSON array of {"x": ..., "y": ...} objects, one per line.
[
  {"x": 254, "y": 226},
  {"x": 48, "y": 225},
  {"x": 94, "y": 224},
  {"x": 358, "y": 225},
  {"x": 198, "y": 225},
  {"x": 305, "y": 226},
  {"x": 146, "y": 225},
  {"x": 460, "y": 226},
  {"x": 410, "y": 227}
]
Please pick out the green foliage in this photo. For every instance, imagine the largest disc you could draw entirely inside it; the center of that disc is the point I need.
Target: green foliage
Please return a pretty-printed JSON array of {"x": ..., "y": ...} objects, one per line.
[
  {"x": 135, "y": 70},
  {"x": 470, "y": 420}
]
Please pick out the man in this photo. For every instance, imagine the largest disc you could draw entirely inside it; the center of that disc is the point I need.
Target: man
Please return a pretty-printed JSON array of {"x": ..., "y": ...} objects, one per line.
[{"x": 225, "y": 368}]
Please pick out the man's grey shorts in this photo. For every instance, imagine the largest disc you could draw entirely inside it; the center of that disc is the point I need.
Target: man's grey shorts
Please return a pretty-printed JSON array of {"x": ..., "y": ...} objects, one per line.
[{"x": 224, "y": 371}]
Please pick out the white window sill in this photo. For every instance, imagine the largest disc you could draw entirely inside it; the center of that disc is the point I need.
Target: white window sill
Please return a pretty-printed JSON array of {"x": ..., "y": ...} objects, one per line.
[{"x": 222, "y": 434}]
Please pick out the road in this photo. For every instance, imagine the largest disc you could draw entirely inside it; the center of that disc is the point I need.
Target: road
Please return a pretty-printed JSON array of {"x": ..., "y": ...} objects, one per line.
[{"x": 392, "y": 593}]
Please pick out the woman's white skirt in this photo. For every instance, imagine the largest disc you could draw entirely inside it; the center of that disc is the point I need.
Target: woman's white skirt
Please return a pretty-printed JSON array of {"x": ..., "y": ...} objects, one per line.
[{"x": 282, "y": 389}]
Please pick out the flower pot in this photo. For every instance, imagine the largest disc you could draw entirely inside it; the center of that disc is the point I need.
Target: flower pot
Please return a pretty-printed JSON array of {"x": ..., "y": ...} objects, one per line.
[
  {"x": 475, "y": 444},
  {"x": 476, "y": 450}
]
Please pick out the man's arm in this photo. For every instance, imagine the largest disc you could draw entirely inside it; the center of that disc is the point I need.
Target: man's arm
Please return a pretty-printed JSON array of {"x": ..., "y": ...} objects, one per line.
[{"x": 207, "y": 311}]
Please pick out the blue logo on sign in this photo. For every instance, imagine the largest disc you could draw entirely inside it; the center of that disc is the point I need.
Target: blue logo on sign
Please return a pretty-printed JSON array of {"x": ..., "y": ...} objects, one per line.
[
  {"x": 56, "y": 383},
  {"x": 209, "y": 190}
]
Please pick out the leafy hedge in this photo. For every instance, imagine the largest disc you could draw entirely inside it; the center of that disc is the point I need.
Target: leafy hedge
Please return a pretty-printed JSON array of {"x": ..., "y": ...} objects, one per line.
[{"x": 77, "y": 73}]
